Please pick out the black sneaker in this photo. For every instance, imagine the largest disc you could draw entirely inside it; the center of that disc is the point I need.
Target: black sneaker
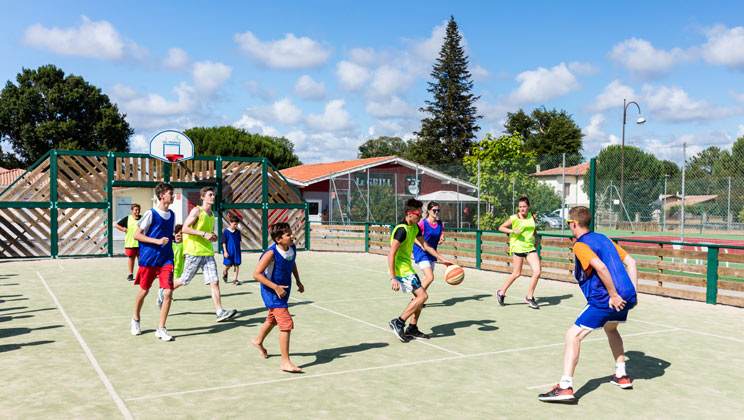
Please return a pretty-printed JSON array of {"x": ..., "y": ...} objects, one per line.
[
  {"x": 224, "y": 278},
  {"x": 558, "y": 394},
  {"x": 500, "y": 297},
  {"x": 130, "y": 277},
  {"x": 397, "y": 328},
  {"x": 532, "y": 302},
  {"x": 237, "y": 282},
  {"x": 413, "y": 332}
]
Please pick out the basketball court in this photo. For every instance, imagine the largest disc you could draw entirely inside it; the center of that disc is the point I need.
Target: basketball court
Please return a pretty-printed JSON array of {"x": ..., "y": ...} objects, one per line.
[{"x": 66, "y": 350}]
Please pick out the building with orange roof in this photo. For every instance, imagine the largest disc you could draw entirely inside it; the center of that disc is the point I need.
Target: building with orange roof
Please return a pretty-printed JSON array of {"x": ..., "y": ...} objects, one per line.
[{"x": 572, "y": 187}]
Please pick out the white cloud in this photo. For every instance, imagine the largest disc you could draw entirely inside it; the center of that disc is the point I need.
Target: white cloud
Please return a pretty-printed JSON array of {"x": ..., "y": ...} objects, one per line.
[
  {"x": 725, "y": 47},
  {"x": 394, "y": 108},
  {"x": 639, "y": 57},
  {"x": 308, "y": 88},
  {"x": 287, "y": 53},
  {"x": 334, "y": 118},
  {"x": 579, "y": 68},
  {"x": 673, "y": 104},
  {"x": 493, "y": 113},
  {"x": 351, "y": 76},
  {"x": 139, "y": 144},
  {"x": 90, "y": 39},
  {"x": 430, "y": 47},
  {"x": 209, "y": 76},
  {"x": 389, "y": 80},
  {"x": 479, "y": 73},
  {"x": 672, "y": 148},
  {"x": 543, "y": 84},
  {"x": 253, "y": 125},
  {"x": 177, "y": 59},
  {"x": 595, "y": 139},
  {"x": 134, "y": 103},
  {"x": 738, "y": 96},
  {"x": 317, "y": 146},
  {"x": 363, "y": 56},
  {"x": 297, "y": 138},
  {"x": 611, "y": 97},
  {"x": 740, "y": 133},
  {"x": 282, "y": 111},
  {"x": 267, "y": 94}
]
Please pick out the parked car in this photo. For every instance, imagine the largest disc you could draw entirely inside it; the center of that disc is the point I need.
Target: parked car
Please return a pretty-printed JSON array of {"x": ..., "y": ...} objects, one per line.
[{"x": 549, "y": 220}]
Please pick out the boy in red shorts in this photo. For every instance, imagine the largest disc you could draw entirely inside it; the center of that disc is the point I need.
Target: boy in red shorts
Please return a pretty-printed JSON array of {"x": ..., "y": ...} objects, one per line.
[
  {"x": 131, "y": 248},
  {"x": 154, "y": 233},
  {"x": 274, "y": 272}
]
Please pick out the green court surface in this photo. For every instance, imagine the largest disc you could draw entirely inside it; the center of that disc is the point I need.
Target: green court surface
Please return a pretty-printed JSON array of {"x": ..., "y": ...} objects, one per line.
[{"x": 66, "y": 350}]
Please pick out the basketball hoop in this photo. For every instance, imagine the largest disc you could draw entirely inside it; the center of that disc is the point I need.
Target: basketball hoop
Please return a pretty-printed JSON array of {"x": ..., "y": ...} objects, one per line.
[
  {"x": 173, "y": 158},
  {"x": 171, "y": 146}
]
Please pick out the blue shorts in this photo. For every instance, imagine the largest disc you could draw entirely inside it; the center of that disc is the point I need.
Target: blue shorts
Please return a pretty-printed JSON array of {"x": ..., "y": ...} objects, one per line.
[
  {"x": 593, "y": 317},
  {"x": 409, "y": 283},
  {"x": 230, "y": 261}
]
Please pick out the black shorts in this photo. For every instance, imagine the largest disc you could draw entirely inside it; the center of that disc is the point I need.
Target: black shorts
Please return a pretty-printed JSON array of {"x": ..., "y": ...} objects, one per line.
[{"x": 524, "y": 254}]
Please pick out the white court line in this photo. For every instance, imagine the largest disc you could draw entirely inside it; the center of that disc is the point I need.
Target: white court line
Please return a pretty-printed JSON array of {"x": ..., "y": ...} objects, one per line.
[
  {"x": 372, "y": 325},
  {"x": 693, "y": 331},
  {"x": 101, "y": 374},
  {"x": 541, "y": 386},
  {"x": 367, "y": 369},
  {"x": 60, "y": 266}
]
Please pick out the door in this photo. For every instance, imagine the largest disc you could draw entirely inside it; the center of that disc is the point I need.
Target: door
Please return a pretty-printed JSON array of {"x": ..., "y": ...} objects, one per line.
[{"x": 313, "y": 211}]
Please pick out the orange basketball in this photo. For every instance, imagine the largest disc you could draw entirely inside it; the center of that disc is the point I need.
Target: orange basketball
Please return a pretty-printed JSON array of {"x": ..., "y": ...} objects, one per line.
[{"x": 454, "y": 274}]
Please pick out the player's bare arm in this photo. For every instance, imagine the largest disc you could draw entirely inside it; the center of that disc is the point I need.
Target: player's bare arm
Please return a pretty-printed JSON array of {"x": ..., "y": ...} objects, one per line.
[
  {"x": 391, "y": 264},
  {"x": 420, "y": 241},
  {"x": 616, "y": 302},
  {"x": 300, "y": 286},
  {"x": 138, "y": 235},
  {"x": 263, "y": 264},
  {"x": 190, "y": 222},
  {"x": 632, "y": 267},
  {"x": 123, "y": 229}
]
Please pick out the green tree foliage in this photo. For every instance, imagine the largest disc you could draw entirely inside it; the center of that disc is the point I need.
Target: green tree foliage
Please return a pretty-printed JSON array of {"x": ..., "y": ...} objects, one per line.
[
  {"x": 231, "y": 141},
  {"x": 548, "y": 134},
  {"x": 383, "y": 146},
  {"x": 505, "y": 169},
  {"x": 447, "y": 133},
  {"x": 48, "y": 110}
]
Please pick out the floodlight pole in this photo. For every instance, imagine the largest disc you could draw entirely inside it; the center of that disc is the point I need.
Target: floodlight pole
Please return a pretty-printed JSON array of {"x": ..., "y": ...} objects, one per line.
[{"x": 622, "y": 152}]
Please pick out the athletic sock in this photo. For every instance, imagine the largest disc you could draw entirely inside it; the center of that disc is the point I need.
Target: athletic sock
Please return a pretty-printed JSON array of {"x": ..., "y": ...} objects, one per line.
[
  {"x": 566, "y": 382},
  {"x": 620, "y": 369},
  {"x": 401, "y": 322}
]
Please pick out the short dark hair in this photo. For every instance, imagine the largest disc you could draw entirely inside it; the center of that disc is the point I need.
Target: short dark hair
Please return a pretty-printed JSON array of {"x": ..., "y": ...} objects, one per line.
[
  {"x": 204, "y": 190},
  {"x": 277, "y": 230},
  {"x": 162, "y": 188},
  {"x": 135, "y": 205},
  {"x": 233, "y": 219},
  {"x": 582, "y": 215},
  {"x": 177, "y": 228},
  {"x": 413, "y": 205}
]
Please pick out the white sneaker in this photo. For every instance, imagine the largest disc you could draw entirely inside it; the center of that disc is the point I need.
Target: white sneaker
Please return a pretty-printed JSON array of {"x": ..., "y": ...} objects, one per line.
[
  {"x": 161, "y": 297},
  {"x": 162, "y": 334},
  {"x": 225, "y": 314},
  {"x": 135, "y": 327}
]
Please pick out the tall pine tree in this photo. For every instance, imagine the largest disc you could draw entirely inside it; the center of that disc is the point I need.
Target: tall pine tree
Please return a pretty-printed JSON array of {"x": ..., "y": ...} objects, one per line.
[{"x": 447, "y": 134}]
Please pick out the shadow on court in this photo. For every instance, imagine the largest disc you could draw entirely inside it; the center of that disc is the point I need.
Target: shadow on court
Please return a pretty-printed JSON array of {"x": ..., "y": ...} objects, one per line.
[
  {"x": 209, "y": 296},
  {"x": 10, "y": 318},
  {"x": 456, "y": 300},
  {"x": 448, "y": 330},
  {"x": 10, "y": 347},
  {"x": 640, "y": 367},
  {"x": 24, "y": 312},
  {"x": 3, "y": 300},
  {"x": 328, "y": 355},
  {"x": 552, "y": 300},
  {"x": 236, "y": 322}
]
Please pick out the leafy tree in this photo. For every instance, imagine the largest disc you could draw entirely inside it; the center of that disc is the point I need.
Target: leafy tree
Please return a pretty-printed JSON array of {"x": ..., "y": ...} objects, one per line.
[
  {"x": 383, "y": 146},
  {"x": 703, "y": 164},
  {"x": 231, "y": 141},
  {"x": 548, "y": 134},
  {"x": 447, "y": 134},
  {"x": 48, "y": 110},
  {"x": 9, "y": 161},
  {"x": 504, "y": 169}
]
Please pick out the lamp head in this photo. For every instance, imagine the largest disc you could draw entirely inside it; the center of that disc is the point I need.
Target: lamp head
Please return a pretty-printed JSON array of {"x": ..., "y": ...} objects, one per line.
[{"x": 640, "y": 120}]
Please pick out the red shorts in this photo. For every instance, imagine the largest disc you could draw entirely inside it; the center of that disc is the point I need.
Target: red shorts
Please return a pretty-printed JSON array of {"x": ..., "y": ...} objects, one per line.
[
  {"x": 281, "y": 317},
  {"x": 131, "y": 252},
  {"x": 146, "y": 275}
]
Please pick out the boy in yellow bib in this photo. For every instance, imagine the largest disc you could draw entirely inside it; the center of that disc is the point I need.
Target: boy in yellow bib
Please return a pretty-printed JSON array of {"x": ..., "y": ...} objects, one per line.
[{"x": 198, "y": 230}]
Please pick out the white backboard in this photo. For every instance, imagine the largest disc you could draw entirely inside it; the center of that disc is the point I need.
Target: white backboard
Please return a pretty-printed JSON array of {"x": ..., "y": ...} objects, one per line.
[{"x": 171, "y": 146}]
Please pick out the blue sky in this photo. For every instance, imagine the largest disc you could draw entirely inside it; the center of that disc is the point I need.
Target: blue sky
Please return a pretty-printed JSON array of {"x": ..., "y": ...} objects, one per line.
[{"x": 330, "y": 75}]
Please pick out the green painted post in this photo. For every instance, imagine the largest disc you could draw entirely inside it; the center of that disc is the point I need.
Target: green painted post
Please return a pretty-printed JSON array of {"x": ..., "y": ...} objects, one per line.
[
  {"x": 167, "y": 172},
  {"x": 366, "y": 237},
  {"x": 264, "y": 204},
  {"x": 53, "y": 213},
  {"x": 218, "y": 202},
  {"x": 712, "y": 280},
  {"x": 478, "y": 243},
  {"x": 592, "y": 186},
  {"x": 307, "y": 227},
  {"x": 110, "y": 195},
  {"x": 538, "y": 246}
]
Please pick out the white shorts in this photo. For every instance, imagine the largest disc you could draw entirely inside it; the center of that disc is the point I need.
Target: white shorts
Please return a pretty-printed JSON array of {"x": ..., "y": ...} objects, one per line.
[
  {"x": 427, "y": 264},
  {"x": 409, "y": 283},
  {"x": 194, "y": 262}
]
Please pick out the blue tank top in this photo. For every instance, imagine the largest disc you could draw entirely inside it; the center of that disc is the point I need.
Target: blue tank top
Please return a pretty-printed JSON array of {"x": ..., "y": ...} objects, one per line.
[
  {"x": 595, "y": 292},
  {"x": 431, "y": 235},
  {"x": 279, "y": 272},
  {"x": 151, "y": 255}
]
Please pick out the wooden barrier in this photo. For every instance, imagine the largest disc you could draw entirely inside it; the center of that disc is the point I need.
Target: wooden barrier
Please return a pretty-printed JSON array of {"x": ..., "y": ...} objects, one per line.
[{"x": 673, "y": 272}]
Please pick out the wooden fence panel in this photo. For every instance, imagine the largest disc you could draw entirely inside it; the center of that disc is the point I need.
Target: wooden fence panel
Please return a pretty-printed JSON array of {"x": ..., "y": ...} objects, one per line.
[
  {"x": 82, "y": 232},
  {"x": 24, "y": 233}
]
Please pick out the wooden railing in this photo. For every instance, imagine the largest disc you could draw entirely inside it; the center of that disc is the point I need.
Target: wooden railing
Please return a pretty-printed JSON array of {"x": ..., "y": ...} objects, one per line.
[{"x": 679, "y": 273}]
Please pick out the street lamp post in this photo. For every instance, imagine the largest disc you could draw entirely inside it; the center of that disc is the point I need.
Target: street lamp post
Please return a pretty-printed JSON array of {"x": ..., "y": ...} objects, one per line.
[{"x": 640, "y": 120}]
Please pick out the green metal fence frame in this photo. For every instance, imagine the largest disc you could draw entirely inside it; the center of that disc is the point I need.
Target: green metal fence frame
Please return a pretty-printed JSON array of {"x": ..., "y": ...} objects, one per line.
[{"x": 220, "y": 205}]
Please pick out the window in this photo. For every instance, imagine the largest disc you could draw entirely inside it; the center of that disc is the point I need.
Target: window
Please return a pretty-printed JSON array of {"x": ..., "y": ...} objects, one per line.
[{"x": 566, "y": 189}]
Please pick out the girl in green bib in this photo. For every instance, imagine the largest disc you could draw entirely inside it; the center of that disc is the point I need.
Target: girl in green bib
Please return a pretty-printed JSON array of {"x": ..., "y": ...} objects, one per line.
[{"x": 521, "y": 230}]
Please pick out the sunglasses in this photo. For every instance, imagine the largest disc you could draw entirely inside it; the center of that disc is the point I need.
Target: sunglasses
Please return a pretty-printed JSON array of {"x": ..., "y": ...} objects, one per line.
[
  {"x": 435, "y": 210},
  {"x": 569, "y": 221}
]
